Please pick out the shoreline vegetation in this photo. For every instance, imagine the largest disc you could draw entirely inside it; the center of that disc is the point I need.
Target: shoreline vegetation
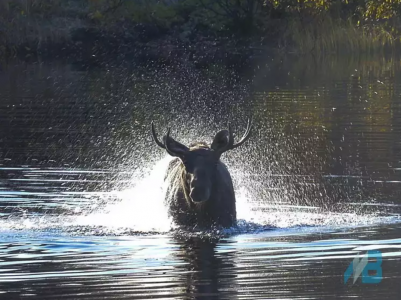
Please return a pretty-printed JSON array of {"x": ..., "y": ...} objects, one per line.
[{"x": 196, "y": 29}]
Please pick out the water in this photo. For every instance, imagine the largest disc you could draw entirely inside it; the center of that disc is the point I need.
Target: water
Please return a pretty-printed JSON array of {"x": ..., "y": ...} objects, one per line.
[{"x": 81, "y": 189}]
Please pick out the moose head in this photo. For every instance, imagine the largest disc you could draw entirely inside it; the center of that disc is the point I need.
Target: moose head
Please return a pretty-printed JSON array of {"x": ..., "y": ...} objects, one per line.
[{"x": 200, "y": 161}]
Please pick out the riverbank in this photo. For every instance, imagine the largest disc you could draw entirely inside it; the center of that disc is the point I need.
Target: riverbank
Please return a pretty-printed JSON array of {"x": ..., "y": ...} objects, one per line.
[{"x": 195, "y": 30}]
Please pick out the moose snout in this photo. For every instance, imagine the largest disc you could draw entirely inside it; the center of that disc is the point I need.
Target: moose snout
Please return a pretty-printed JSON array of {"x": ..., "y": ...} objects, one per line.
[
  {"x": 199, "y": 194},
  {"x": 199, "y": 191},
  {"x": 200, "y": 186}
]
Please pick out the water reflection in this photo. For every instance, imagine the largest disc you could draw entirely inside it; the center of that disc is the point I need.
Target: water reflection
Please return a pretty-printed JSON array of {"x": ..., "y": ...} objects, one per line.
[
  {"x": 277, "y": 264},
  {"x": 207, "y": 271}
]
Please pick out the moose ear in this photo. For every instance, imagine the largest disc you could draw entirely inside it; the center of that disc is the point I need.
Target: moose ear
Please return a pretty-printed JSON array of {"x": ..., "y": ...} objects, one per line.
[
  {"x": 174, "y": 148},
  {"x": 221, "y": 140}
]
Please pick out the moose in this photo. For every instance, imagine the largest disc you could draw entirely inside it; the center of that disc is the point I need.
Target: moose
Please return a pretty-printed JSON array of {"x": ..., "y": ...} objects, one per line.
[{"x": 200, "y": 192}]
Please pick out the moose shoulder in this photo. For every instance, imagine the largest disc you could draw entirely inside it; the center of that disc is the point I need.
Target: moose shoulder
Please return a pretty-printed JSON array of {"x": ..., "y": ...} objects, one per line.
[{"x": 200, "y": 191}]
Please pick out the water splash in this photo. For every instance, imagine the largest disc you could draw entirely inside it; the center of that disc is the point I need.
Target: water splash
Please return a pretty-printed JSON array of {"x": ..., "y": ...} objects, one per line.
[
  {"x": 141, "y": 207},
  {"x": 138, "y": 207}
]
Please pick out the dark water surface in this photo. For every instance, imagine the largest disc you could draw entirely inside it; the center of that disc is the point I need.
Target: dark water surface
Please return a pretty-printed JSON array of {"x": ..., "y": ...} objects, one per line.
[{"x": 81, "y": 183}]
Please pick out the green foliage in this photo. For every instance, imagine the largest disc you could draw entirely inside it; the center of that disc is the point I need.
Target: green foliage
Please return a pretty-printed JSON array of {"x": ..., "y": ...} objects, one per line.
[{"x": 382, "y": 9}]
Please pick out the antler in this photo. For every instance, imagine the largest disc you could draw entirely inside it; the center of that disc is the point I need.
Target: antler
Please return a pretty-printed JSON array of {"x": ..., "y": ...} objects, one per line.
[
  {"x": 181, "y": 148},
  {"x": 172, "y": 147},
  {"x": 160, "y": 144},
  {"x": 229, "y": 145},
  {"x": 246, "y": 135}
]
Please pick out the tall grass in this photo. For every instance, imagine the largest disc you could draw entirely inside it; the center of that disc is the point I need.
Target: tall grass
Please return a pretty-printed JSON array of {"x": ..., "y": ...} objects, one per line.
[{"x": 331, "y": 35}]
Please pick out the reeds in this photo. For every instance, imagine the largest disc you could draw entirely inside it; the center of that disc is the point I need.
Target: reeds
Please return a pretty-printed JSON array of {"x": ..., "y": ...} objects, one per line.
[{"x": 330, "y": 35}]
